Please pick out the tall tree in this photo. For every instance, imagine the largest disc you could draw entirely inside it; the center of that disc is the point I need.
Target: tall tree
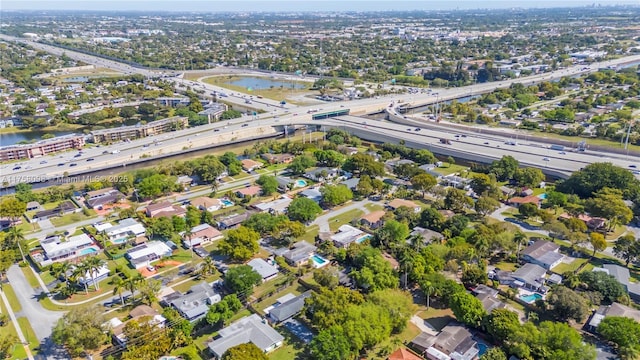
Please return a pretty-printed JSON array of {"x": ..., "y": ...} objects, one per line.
[
  {"x": 240, "y": 244},
  {"x": 467, "y": 309},
  {"x": 627, "y": 247},
  {"x": 81, "y": 330},
  {"x": 243, "y": 352},
  {"x": 598, "y": 242},
  {"x": 423, "y": 182},
  {"x": 241, "y": 280},
  {"x": 303, "y": 209}
]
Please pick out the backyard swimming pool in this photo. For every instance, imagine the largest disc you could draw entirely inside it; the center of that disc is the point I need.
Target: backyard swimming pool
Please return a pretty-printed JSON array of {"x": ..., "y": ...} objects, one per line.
[
  {"x": 543, "y": 196},
  {"x": 301, "y": 183},
  {"x": 119, "y": 240},
  {"x": 362, "y": 239},
  {"x": 530, "y": 298},
  {"x": 226, "y": 202},
  {"x": 88, "y": 251},
  {"x": 319, "y": 261},
  {"x": 483, "y": 348}
]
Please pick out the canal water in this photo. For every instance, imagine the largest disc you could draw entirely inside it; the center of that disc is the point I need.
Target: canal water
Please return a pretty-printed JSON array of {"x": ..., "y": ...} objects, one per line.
[{"x": 34, "y": 135}]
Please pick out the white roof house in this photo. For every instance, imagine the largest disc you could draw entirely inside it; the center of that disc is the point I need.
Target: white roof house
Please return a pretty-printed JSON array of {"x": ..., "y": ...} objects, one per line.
[
  {"x": 100, "y": 227},
  {"x": 346, "y": 235},
  {"x": 248, "y": 329},
  {"x": 145, "y": 254},
  {"x": 263, "y": 268},
  {"x": 56, "y": 249},
  {"x": 125, "y": 228}
]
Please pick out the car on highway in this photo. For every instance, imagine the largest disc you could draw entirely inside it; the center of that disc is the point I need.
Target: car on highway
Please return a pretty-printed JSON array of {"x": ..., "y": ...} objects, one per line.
[
  {"x": 60, "y": 164},
  {"x": 486, "y": 143},
  {"x": 77, "y": 155},
  {"x": 545, "y": 159},
  {"x": 245, "y": 125},
  {"x": 418, "y": 129},
  {"x": 216, "y": 130},
  {"x": 17, "y": 168},
  {"x": 73, "y": 164},
  {"x": 105, "y": 152},
  {"x": 633, "y": 166},
  {"x": 562, "y": 153},
  {"x": 43, "y": 162},
  {"x": 409, "y": 129},
  {"x": 90, "y": 159}
]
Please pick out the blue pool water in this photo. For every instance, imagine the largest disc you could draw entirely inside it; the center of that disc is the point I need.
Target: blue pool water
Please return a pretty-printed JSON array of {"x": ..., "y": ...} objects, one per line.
[
  {"x": 319, "y": 261},
  {"x": 88, "y": 251},
  {"x": 301, "y": 183},
  {"x": 483, "y": 348},
  {"x": 257, "y": 83},
  {"x": 226, "y": 202},
  {"x": 543, "y": 196},
  {"x": 530, "y": 298},
  {"x": 362, "y": 239},
  {"x": 119, "y": 240}
]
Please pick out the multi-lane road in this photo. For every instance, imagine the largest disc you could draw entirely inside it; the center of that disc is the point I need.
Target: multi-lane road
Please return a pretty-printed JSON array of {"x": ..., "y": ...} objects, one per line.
[{"x": 472, "y": 146}]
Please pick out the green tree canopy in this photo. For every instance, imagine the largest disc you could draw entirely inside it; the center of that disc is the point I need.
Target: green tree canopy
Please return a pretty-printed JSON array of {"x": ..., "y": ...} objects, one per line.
[
  {"x": 80, "y": 329},
  {"x": 467, "y": 309},
  {"x": 595, "y": 177},
  {"x": 268, "y": 183},
  {"x": 303, "y": 209},
  {"x": 244, "y": 352},
  {"x": 241, "y": 279},
  {"x": 333, "y": 195},
  {"x": 240, "y": 244}
]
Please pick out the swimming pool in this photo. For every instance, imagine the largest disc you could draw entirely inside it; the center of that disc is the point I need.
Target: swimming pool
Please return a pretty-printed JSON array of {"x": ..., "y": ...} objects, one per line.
[
  {"x": 319, "y": 261},
  {"x": 363, "y": 238},
  {"x": 226, "y": 202},
  {"x": 88, "y": 251},
  {"x": 543, "y": 196},
  {"x": 119, "y": 240},
  {"x": 482, "y": 348},
  {"x": 530, "y": 298},
  {"x": 301, "y": 183}
]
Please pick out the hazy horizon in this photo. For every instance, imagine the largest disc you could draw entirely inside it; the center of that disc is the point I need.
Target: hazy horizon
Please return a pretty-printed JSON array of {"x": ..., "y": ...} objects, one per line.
[{"x": 283, "y": 6}]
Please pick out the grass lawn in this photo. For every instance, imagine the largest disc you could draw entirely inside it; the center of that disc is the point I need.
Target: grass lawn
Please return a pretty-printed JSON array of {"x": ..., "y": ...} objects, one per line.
[
  {"x": 373, "y": 207},
  {"x": 344, "y": 218},
  {"x": 72, "y": 218},
  {"x": 27, "y": 330},
  {"x": 10, "y": 330},
  {"x": 290, "y": 350},
  {"x": 506, "y": 266},
  {"x": 437, "y": 318},
  {"x": 573, "y": 266},
  {"x": 310, "y": 235},
  {"x": 450, "y": 169},
  {"x": 11, "y": 296},
  {"x": 31, "y": 278},
  {"x": 28, "y": 227},
  {"x": 616, "y": 233}
]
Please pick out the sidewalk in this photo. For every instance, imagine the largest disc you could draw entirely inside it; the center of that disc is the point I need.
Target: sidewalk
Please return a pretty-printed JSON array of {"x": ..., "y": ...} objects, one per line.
[{"x": 14, "y": 320}]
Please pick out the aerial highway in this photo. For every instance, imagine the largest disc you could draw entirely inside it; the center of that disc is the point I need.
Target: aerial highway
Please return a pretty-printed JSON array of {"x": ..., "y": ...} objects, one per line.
[
  {"x": 478, "y": 147},
  {"x": 471, "y": 146}
]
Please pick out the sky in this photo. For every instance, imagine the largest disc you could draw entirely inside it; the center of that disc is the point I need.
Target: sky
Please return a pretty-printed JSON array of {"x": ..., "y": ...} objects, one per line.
[{"x": 299, "y": 5}]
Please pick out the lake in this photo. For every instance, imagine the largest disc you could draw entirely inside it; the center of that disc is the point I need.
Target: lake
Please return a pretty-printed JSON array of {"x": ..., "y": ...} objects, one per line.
[
  {"x": 257, "y": 83},
  {"x": 14, "y": 138}
]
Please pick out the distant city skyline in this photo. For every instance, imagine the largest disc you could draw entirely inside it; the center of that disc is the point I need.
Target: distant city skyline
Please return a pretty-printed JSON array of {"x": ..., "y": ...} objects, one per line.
[{"x": 283, "y": 6}]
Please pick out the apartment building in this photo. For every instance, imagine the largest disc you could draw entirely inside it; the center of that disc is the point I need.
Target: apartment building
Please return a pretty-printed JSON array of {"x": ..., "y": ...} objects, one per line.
[
  {"x": 41, "y": 148},
  {"x": 140, "y": 131}
]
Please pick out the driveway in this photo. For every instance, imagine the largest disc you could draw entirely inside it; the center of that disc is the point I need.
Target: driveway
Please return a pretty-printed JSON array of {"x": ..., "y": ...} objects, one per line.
[
  {"x": 42, "y": 321},
  {"x": 47, "y": 231}
]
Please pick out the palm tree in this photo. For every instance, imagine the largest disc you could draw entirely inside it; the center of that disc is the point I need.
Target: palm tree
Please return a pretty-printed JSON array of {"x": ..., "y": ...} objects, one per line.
[
  {"x": 119, "y": 284},
  {"x": 95, "y": 264},
  {"x": 428, "y": 289},
  {"x": 519, "y": 238},
  {"x": 16, "y": 236},
  {"x": 187, "y": 235},
  {"x": 80, "y": 271},
  {"x": 207, "y": 267},
  {"x": 61, "y": 269},
  {"x": 132, "y": 284},
  {"x": 66, "y": 291}
]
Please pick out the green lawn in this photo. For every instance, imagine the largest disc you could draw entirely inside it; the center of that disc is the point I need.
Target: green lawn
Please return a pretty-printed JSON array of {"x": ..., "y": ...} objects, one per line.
[
  {"x": 447, "y": 169},
  {"x": 10, "y": 330},
  {"x": 573, "y": 266},
  {"x": 33, "y": 282},
  {"x": 373, "y": 207},
  {"x": 72, "y": 218},
  {"x": 290, "y": 350},
  {"x": 310, "y": 235},
  {"x": 11, "y": 296},
  {"x": 28, "y": 333},
  {"x": 506, "y": 266},
  {"x": 437, "y": 318},
  {"x": 344, "y": 218}
]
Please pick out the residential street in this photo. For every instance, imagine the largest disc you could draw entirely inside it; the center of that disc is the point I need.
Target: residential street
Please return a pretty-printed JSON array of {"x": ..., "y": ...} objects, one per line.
[{"x": 42, "y": 320}]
